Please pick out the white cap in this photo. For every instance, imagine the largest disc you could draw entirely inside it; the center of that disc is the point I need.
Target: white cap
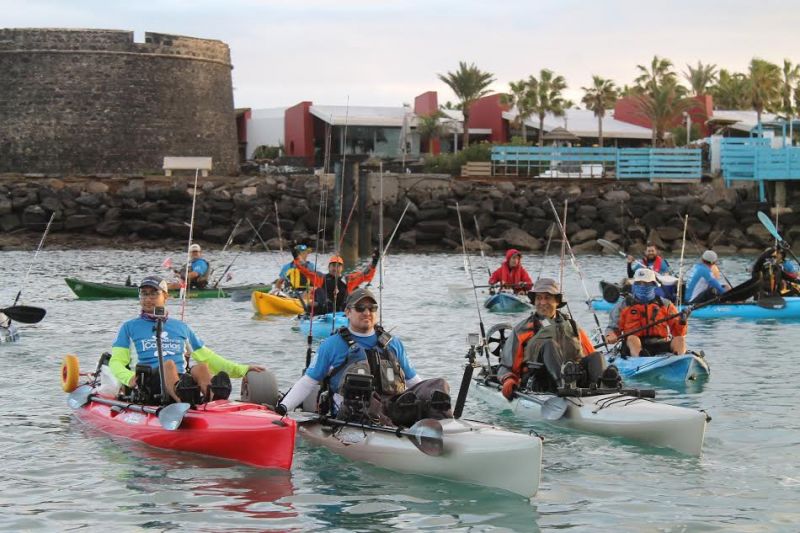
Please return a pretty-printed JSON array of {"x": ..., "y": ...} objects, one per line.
[
  {"x": 710, "y": 256},
  {"x": 644, "y": 275},
  {"x": 195, "y": 248}
]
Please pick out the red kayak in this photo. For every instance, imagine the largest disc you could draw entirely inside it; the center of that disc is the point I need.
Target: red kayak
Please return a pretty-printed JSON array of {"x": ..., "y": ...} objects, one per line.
[{"x": 241, "y": 432}]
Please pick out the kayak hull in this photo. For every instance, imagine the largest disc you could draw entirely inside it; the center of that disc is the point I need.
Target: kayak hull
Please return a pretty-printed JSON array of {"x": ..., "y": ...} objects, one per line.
[
  {"x": 503, "y": 302},
  {"x": 734, "y": 310},
  {"x": 614, "y": 415},
  {"x": 471, "y": 452},
  {"x": 323, "y": 326},
  {"x": 661, "y": 367},
  {"x": 90, "y": 290},
  {"x": 265, "y": 304},
  {"x": 242, "y": 432}
]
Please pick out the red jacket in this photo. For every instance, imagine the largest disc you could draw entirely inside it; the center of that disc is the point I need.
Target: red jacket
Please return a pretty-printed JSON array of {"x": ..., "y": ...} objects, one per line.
[{"x": 516, "y": 277}]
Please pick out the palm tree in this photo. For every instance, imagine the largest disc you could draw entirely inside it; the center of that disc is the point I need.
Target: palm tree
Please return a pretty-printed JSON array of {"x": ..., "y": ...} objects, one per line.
[
  {"x": 429, "y": 128},
  {"x": 545, "y": 97},
  {"x": 700, "y": 78},
  {"x": 659, "y": 72},
  {"x": 520, "y": 97},
  {"x": 764, "y": 86},
  {"x": 730, "y": 92},
  {"x": 600, "y": 96},
  {"x": 469, "y": 83},
  {"x": 791, "y": 74},
  {"x": 663, "y": 107}
]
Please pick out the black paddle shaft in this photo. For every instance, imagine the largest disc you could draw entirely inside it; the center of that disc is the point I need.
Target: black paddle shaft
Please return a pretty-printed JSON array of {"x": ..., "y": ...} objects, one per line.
[
  {"x": 465, "y": 382},
  {"x": 159, "y": 328}
]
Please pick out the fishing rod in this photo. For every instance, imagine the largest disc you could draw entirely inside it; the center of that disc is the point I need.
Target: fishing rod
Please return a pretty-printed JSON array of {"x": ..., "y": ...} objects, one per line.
[
  {"x": 698, "y": 248},
  {"x": 480, "y": 240},
  {"x": 680, "y": 265},
  {"x": 185, "y": 284},
  {"x": 250, "y": 244},
  {"x": 396, "y": 227},
  {"x": 576, "y": 267},
  {"x": 380, "y": 244},
  {"x": 546, "y": 249},
  {"x": 347, "y": 224},
  {"x": 321, "y": 220},
  {"x": 228, "y": 243},
  {"x": 344, "y": 160},
  {"x": 33, "y": 261},
  {"x": 278, "y": 224},
  {"x": 563, "y": 241}
]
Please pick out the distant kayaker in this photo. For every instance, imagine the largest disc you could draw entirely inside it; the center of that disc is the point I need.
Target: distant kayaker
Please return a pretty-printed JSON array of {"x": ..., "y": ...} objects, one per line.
[
  {"x": 702, "y": 284},
  {"x": 651, "y": 260},
  {"x": 333, "y": 288},
  {"x": 199, "y": 270},
  {"x": 537, "y": 353},
  {"x": 208, "y": 378},
  {"x": 290, "y": 277},
  {"x": 511, "y": 274},
  {"x": 368, "y": 375},
  {"x": 778, "y": 274},
  {"x": 639, "y": 309}
]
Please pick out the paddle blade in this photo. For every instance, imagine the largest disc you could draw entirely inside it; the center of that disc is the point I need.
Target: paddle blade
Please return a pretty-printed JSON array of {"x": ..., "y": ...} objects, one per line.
[
  {"x": 554, "y": 408},
  {"x": 79, "y": 397},
  {"x": 24, "y": 313},
  {"x": 171, "y": 416},
  {"x": 167, "y": 263},
  {"x": 764, "y": 219},
  {"x": 610, "y": 247},
  {"x": 771, "y": 302},
  {"x": 427, "y": 436}
]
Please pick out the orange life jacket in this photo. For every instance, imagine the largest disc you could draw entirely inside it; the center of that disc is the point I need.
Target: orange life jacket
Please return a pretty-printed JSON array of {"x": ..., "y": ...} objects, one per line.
[{"x": 637, "y": 314}]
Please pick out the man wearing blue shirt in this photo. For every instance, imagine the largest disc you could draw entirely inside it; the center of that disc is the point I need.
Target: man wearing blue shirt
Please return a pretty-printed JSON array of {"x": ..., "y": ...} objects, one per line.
[
  {"x": 290, "y": 278},
  {"x": 199, "y": 270},
  {"x": 365, "y": 350},
  {"x": 207, "y": 379},
  {"x": 702, "y": 284}
]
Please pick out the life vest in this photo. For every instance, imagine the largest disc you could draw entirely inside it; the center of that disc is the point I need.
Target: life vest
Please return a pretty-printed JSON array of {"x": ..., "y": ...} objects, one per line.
[
  {"x": 338, "y": 296},
  {"x": 656, "y": 266},
  {"x": 296, "y": 279},
  {"x": 637, "y": 314},
  {"x": 381, "y": 362},
  {"x": 535, "y": 333}
]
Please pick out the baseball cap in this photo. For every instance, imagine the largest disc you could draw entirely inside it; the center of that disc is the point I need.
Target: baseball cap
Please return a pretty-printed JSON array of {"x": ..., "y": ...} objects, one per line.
[
  {"x": 156, "y": 282},
  {"x": 358, "y": 295},
  {"x": 710, "y": 256},
  {"x": 336, "y": 259},
  {"x": 195, "y": 248},
  {"x": 644, "y": 275}
]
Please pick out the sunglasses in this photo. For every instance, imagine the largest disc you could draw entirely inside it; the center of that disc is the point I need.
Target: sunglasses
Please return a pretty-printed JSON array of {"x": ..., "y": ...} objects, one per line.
[{"x": 360, "y": 308}]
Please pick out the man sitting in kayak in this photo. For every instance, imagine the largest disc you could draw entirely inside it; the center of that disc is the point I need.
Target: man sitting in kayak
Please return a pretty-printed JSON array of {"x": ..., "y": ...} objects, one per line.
[
  {"x": 332, "y": 288},
  {"x": 703, "y": 285},
  {"x": 366, "y": 354},
  {"x": 208, "y": 379},
  {"x": 639, "y": 309},
  {"x": 199, "y": 270},
  {"x": 290, "y": 278},
  {"x": 651, "y": 260},
  {"x": 548, "y": 350},
  {"x": 778, "y": 275},
  {"x": 512, "y": 274}
]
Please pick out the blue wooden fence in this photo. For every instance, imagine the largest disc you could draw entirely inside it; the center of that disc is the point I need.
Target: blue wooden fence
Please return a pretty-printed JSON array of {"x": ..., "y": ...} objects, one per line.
[
  {"x": 753, "y": 159},
  {"x": 654, "y": 164}
]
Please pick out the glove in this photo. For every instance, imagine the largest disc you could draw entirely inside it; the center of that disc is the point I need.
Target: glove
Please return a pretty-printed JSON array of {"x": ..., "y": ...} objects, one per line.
[
  {"x": 510, "y": 382},
  {"x": 280, "y": 409},
  {"x": 376, "y": 255}
]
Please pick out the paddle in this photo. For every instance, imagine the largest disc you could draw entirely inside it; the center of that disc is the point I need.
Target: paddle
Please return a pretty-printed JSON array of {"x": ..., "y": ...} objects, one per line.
[
  {"x": 614, "y": 248},
  {"x": 24, "y": 313},
  {"x": 170, "y": 417},
  {"x": 764, "y": 219},
  {"x": 426, "y": 434},
  {"x": 553, "y": 407}
]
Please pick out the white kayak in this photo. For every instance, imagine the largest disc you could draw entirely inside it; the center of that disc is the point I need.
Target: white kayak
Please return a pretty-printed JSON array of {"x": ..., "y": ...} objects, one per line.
[
  {"x": 611, "y": 415},
  {"x": 470, "y": 452}
]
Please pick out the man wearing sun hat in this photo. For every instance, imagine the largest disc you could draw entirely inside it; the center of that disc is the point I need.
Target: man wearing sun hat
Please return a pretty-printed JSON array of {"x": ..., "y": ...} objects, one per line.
[
  {"x": 365, "y": 350},
  {"x": 333, "y": 288},
  {"x": 641, "y": 308},
  {"x": 209, "y": 377}
]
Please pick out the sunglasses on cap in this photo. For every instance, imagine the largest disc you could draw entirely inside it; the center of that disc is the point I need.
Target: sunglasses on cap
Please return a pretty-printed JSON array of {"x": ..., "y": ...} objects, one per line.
[{"x": 360, "y": 308}]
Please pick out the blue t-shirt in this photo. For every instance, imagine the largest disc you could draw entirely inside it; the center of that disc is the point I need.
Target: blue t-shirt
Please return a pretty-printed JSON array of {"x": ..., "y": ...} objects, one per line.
[
  {"x": 702, "y": 279},
  {"x": 200, "y": 266},
  {"x": 141, "y": 333},
  {"x": 333, "y": 352}
]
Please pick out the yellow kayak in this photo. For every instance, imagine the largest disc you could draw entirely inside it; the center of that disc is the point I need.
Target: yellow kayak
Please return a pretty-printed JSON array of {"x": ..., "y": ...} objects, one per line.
[{"x": 265, "y": 303}]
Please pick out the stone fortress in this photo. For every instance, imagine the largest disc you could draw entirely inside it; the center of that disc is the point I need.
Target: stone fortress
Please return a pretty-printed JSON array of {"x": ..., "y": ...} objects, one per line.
[{"x": 95, "y": 101}]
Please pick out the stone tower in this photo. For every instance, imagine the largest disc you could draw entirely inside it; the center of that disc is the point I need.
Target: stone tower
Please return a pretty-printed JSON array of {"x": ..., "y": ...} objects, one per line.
[{"x": 94, "y": 101}]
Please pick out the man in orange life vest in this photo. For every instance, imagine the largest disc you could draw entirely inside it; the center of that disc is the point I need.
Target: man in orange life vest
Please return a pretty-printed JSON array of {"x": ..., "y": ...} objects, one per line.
[
  {"x": 641, "y": 308},
  {"x": 548, "y": 350}
]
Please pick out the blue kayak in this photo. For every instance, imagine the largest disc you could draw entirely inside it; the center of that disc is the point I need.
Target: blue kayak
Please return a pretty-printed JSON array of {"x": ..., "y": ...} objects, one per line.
[
  {"x": 505, "y": 302},
  {"x": 664, "y": 367},
  {"x": 733, "y": 310},
  {"x": 324, "y": 325}
]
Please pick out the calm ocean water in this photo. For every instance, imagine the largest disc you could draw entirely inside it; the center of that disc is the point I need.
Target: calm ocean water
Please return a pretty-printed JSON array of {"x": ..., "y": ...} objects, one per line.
[{"x": 60, "y": 475}]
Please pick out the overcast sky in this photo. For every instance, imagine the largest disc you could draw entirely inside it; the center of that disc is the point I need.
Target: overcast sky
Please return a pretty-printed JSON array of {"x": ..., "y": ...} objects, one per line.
[{"x": 385, "y": 52}]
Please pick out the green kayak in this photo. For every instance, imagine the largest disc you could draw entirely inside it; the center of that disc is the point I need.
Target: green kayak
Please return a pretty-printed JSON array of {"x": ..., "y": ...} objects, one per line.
[{"x": 89, "y": 290}]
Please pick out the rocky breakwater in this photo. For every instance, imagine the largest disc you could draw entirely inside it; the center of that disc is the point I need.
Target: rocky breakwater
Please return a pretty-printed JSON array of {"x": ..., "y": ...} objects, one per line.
[{"x": 114, "y": 211}]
